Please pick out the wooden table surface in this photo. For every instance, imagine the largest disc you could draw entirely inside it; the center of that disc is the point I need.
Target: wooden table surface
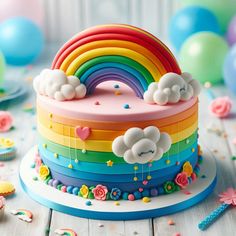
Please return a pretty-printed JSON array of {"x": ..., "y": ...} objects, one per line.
[{"x": 46, "y": 220}]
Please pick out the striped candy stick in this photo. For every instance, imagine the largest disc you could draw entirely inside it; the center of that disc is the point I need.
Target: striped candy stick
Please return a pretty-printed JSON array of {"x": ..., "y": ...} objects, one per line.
[
  {"x": 204, "y": 224},
  {"x": 229, "y": 199}
]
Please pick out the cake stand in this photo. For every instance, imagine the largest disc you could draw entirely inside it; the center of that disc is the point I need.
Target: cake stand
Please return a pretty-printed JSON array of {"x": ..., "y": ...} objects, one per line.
[{"x": 127, "y": 210}]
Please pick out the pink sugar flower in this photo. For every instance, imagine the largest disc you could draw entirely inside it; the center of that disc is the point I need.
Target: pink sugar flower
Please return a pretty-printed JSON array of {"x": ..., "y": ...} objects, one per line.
[
  {"x": 228, "y": 197},
  {"x": 100, "y": 192},
  {"x": 221, "y": 107},
  {"x": 5, "y": 121},
  {"x": 182, "y": 179}
]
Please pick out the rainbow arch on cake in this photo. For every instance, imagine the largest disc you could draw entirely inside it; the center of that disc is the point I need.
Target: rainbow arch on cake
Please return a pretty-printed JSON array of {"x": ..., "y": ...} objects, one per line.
[{"x": 116, "y": 52}]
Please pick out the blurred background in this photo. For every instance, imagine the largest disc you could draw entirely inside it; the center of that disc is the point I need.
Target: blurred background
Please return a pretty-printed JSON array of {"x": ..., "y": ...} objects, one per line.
[{"x": 197, "y": 31}]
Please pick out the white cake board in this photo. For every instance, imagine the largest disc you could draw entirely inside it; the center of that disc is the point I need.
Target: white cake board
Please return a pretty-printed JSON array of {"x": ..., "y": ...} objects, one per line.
[{"x": 127, "y": 210}]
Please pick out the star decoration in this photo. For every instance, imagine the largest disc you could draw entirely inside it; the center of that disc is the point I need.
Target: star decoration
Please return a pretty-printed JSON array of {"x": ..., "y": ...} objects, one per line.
[{"x": 110, "y": 163}]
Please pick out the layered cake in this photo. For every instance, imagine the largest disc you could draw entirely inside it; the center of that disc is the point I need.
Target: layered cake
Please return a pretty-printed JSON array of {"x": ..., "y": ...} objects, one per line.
[{"x": 117, "y": 119}]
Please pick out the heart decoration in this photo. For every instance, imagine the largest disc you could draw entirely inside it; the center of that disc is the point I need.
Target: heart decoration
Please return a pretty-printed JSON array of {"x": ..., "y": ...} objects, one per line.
[{"x": 82, "y": 132}]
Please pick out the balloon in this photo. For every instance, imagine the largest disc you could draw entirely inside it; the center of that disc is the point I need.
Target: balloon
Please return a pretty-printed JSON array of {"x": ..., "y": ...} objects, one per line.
[
  {"x": 2, "y": 67},
  {"x": 231, "y": 34},
  {"x": 203, "y": 55},
  {"x": 32, "y": 9},
  {"x": 223, "y": 9},
  {"x": 230, "y": 69},
  {"x": 21, "y": 41},
  {"x": 190, "y": 20}
]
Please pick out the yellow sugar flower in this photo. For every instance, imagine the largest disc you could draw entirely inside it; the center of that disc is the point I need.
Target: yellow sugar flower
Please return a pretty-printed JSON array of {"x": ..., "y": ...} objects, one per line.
[
  {"x": 43, "y": 172},
  {"x": 187, "y": 168},
  {"x": 6, "y": 143},
  {"x": 84, "y": 191}
]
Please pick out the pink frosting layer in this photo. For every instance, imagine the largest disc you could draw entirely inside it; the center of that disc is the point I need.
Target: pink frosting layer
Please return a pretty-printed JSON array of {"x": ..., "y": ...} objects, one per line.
[{"x": 111, "y": 106}]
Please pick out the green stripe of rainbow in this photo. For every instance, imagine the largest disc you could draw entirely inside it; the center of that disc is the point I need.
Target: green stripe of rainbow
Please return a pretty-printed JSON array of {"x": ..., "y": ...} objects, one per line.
[{"x": 121, "y": 47}]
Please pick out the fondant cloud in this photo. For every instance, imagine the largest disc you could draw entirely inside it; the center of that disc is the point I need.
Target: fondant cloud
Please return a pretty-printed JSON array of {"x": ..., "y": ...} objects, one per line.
[
  {"x": 141, "y": 145},
  {"x": 57, "y": 85},
  {"x": 172, "y": 88}
]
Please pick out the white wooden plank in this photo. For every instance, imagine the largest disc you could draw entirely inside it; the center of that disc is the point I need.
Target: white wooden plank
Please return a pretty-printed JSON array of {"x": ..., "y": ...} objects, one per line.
[
  {"x": 60, "y": 221},
  {"x": 24, "y": 136},
  {"x": 119, "y": 228},
  {"x": 187, "y": 221}
]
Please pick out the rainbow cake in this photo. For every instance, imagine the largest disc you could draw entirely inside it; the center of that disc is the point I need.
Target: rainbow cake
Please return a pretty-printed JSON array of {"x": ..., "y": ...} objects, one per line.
[
  {"x": 118, "y": 130},
  {"x": 117, "y": 119}
]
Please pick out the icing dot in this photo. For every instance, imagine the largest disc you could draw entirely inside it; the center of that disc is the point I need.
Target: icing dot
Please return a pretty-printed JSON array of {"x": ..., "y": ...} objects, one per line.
[
  {"x": 63, "y": 189},
  {"x": 187, "y": 141},
  {"x": 50, "y": 182},
  {"x": 149, "y": 177},
  {"x": 126, "y": 106},
  {"x": 153, "y": 192},
  {"x": 76, "y": 161},
  {"x": 135, "y": 167},
  {"x": 177, "y": 163},
  {"x": 88, "y": 203},
  {"x": 146, "y": 199},
  {"x": 69, "y": 189},
  {"x": 135, "y": 178},
  {"x": 193, "y": 149},
  {"x": 117, "y": 93},
  {"x": 83, "y": 151},
  {"x": 35, "y": 178},
  {"x": 45, "y": 145},
  {"x": 75, "y": 190},
  {"x": 150, "y": 165},
  {"x": 70, "y": 166},
  {"x": 97, "y": 103},
  {"x": 145, "y": 182},
  {"x": 167, "y": 162},
  {"x": 33, "y": 166},
  {"x": 117, "y": 203},
  {"x": 55, "y": 183},
  {"x": 116, "y": 86},
  {"x": 140, "y": 190},
  {"x": 50, "y": 115},
  {"x": 55, "y": 155},
  {"x": 131, "y": 197}
]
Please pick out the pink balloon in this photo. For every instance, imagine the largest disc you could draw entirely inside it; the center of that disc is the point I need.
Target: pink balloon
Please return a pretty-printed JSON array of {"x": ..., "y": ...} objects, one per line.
[
  {"x": 231, "y": 33},
  {"x": 32, "y": 9}
]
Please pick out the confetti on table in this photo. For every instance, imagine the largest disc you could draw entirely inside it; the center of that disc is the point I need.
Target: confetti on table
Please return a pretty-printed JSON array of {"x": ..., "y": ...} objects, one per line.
[
  {"x": 186, "y": 192},
  {"x": 171, "y": 222},
  {"x": 23, "y": 214},
  {"x": 227, "y": 198},
  {"x": 29, "y": 108},
  {"x": 176, "y": 234},
  {"x": 233, "y": 158}
]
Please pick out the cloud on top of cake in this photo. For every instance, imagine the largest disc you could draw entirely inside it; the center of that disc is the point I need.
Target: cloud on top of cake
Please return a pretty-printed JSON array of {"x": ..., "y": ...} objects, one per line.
[
  {"x": 57, "y": 85},
  {"x": 141, "y": 145},
  {"x": 172, "y": 88}
]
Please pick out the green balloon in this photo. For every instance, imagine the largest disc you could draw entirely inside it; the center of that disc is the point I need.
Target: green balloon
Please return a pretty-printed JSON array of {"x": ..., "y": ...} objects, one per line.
[
  {"x": 2, "y": 67},
  {"x": 203, "y": 56},
  {"x": 223, "y": 9}
]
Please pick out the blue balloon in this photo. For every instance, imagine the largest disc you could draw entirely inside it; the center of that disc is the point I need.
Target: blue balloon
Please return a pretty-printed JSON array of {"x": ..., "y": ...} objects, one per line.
[
  {"x": 189, "y": 21},
  {"x": 230, "y": 69},
  {"x": 21, "y": 41}
]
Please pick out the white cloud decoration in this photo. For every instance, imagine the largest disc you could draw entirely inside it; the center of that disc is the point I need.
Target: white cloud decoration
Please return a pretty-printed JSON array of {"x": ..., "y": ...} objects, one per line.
[
  {"x": 57, "y": 85},
  {"x": 172, "y": 88},
  {"x": 141, "y": 145}
]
